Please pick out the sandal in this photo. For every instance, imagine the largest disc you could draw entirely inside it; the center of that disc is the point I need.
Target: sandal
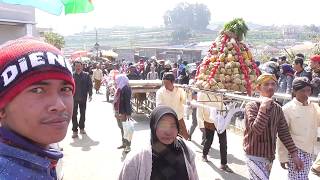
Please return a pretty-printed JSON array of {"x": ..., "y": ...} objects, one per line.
[
  {"x": 226, "y": 168},
  {"x": 205, "y": 159}
]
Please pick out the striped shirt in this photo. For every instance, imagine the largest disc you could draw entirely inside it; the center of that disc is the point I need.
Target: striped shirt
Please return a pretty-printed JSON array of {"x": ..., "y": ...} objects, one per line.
[{"x": 261, "y": 131}]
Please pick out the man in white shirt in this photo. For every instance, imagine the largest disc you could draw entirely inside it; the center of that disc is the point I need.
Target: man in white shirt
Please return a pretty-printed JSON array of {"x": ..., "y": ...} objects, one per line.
[
  {"x": 209, "y": 128},
  {"x": 97, "y": 77},
  {"x": 173, "y": 97},
  {"x": 303, "y": 119}
]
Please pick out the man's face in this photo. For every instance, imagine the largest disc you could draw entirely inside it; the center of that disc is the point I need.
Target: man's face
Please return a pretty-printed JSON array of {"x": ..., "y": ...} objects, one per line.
[
  {"x": 78, "y": 67},
  {"x": 303, "y": 94},
  {"x": 296, "y": 67},
  {"x": 41, "y": 112},
  {"x": 268, "y": 88},
  {"x": 168, "y": 84}
]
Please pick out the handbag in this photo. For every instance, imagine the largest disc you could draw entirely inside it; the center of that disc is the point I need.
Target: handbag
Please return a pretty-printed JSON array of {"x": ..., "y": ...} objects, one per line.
[{"x": 128, "y": 129}]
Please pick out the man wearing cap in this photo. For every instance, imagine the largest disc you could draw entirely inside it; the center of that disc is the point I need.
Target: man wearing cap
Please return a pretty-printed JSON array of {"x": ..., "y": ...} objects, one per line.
[
  {"x": 303, "y": 118},
  {"x": 315, "y": 69},
  {"x": 264, "y": 120},
  {"x": 173, "y": 97},
  {"x": 36, "y": 92}
]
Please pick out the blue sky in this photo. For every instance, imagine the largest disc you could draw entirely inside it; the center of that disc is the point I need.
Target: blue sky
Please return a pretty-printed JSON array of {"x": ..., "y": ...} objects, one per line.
[{"x": 148, "y": 13}]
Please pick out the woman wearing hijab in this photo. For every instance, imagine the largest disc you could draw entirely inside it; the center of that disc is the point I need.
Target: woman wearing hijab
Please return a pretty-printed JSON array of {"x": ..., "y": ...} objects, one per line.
[
  {"x": 122, "y": 106},
  {"x": 168, "y": 157}
]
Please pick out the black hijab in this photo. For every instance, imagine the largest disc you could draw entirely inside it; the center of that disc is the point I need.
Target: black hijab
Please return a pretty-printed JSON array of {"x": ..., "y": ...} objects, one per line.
[{"x": 168, "y": 161}]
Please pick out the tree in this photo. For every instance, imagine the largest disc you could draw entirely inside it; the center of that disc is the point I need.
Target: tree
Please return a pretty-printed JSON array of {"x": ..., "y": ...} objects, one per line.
[
  {"x": 202, "y": 16},
  {"x": 181, "y": 35},
  {"x": 54, "y": 39},
  {"x": 190, "y": 16}
]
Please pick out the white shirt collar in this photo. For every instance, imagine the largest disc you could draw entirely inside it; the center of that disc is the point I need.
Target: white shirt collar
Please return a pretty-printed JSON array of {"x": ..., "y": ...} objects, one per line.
[{"x": 298, "y": 102}]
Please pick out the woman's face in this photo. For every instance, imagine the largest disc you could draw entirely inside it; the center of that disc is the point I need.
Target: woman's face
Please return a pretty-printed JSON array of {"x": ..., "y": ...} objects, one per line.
[{"x": 167, "y": 129}]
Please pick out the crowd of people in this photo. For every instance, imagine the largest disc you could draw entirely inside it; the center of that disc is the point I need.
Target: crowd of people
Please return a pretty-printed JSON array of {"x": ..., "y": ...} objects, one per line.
[
  {"x": 270, "y": 125},
  {"x": 41, "y": 93}
]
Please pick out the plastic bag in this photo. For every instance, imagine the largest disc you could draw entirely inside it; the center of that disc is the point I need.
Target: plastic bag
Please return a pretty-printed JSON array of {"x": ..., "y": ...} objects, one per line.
[
  {"x": 222, "y": 122},
  {"x": 128, "y": 128}
]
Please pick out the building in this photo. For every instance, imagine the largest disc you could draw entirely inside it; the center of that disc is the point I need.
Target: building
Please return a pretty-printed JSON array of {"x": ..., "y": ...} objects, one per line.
[
  {"x": 126, "y": 54},
  {"x": 16, "y": 21},
  {"x": 171, "y": 53}
]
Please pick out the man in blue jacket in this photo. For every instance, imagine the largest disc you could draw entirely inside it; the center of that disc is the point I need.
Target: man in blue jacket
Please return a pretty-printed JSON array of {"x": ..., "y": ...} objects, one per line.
[{"x": 36, "y": 92}]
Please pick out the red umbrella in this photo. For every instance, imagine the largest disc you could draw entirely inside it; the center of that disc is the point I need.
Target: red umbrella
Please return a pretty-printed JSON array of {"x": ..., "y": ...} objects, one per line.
[{"x": 78, "y": 54}]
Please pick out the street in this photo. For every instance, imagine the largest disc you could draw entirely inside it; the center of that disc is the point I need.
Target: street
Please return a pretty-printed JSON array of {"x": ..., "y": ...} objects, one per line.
[{"x": 95, "y": 155}]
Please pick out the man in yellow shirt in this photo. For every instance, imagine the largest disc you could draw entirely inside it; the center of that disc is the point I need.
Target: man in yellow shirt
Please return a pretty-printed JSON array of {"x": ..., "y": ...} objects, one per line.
[
  {"x": 173, "y": 97},
  {"x": 303, "y": 118}
]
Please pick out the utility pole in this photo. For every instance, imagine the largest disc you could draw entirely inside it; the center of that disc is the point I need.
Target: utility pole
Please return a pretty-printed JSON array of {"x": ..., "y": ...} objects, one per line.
[{"x": 96, "y": 45}]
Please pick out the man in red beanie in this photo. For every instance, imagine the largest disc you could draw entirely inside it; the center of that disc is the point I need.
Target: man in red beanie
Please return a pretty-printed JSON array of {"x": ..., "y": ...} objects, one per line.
[
  {"x": 315, "y": 68},
  {"x": 36, "y": 102}
]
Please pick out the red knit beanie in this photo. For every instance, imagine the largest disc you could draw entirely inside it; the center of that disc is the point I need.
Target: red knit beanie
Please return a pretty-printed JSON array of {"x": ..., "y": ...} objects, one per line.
[
  {"x": 315, "y": 58},
  {"x": 26, "y": 61}
]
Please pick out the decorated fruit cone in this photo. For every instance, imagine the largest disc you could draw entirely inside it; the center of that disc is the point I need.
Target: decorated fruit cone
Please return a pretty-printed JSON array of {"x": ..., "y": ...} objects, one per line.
[{"x": 229, "y": 63}]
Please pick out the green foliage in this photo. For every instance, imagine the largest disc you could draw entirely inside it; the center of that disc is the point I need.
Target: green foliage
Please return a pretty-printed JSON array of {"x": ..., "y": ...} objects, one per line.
[
  {"x": 238, "y": 27},
  {"x": 185, "y": 15},
  {"x": 316, "y": 49},
  {"x": 54, "y": 39}
]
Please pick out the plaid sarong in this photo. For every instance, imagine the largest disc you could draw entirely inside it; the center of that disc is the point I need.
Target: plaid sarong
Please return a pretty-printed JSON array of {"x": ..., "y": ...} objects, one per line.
[{"x": 307, "y": 163}]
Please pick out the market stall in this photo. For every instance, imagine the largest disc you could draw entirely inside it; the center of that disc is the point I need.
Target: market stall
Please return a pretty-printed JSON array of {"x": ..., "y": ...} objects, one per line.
[{"x": 143, "y": 93}]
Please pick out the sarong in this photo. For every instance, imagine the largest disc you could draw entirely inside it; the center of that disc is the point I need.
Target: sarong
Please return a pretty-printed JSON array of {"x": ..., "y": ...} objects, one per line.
[
  {"x": 259, "y": 169},
  {"x": 306, "y": 158},
  {"x": 97, "y": 84}
]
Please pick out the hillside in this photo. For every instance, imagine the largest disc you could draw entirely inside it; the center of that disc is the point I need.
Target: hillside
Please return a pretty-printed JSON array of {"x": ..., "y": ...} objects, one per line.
[{"x": 131, "y": 37}]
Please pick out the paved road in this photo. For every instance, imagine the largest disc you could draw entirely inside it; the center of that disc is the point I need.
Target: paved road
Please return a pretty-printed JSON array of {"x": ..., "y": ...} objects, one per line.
[{"x": 94, "y": 156}]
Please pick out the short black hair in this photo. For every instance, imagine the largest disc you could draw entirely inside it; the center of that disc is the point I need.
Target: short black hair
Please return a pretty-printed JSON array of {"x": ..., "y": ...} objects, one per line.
[
  {"x": 168, "y": 76},
  {"x": 300, "y": 55},
  {"x": 273, "y": 59},
  {"x": 77, "y": 62},
  {"x": 298, "y": 60},
  {"x": 283, "y": 58}
]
